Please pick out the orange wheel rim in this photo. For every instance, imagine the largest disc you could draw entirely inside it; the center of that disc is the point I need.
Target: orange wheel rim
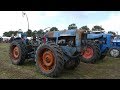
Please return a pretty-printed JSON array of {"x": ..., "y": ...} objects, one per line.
[
  {"x": 16, "y": 52},
  {"x": 46, "y": 60},
  {"x": 88, "y": 53}
]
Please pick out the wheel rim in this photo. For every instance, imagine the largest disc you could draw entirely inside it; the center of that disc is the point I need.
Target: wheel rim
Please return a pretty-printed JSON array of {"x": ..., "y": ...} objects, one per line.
[
  {"x": 114, "y": 52},
  {"x": 16, "y": 52},
  {"x": 46, "y": 60},
  {"x": 88, "y": 53}
]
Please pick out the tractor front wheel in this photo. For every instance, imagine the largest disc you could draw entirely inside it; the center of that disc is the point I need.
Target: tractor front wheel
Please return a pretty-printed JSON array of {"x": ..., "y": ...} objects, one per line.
[
  {"x": 114, "y": 52},
  {"x": 49, "y": 60}
]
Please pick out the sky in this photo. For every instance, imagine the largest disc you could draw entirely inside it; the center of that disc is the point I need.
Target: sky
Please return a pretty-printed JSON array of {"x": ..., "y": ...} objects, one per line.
[{"x": 14, "y": 20}]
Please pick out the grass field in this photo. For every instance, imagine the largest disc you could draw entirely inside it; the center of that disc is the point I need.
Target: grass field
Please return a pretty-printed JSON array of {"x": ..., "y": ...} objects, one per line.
[{"x": 109, "y": 68}]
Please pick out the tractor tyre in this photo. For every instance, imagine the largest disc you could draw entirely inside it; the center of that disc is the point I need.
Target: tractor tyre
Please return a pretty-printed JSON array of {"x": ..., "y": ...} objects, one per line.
[
  {"x": 49, "y": 60},
  {"x": 114, "y": 52},
  {"x": 101, "y": 56},
  {"x": 91, "y": 53},
  {"x": 72, "y": 64},
  {"x": 17, "y": 52}
]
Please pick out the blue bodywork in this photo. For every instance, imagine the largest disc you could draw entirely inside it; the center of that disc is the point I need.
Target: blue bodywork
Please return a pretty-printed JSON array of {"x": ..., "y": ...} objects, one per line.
[
  {"x": 116, "y": 44},
  {"x": 107, "y": 41},
  {"x": 68, "y": 33},
  {"x": 70, "y": 41},
  {"x": 104, "y": 41}
]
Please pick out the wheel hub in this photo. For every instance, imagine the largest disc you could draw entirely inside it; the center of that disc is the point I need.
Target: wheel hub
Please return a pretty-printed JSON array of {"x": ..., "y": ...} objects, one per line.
[
  {"x": 114, "y": 52},
  {"x": 88, "y": 53},
  {"x": 48, "y": 58},
  {"x": 16, "y": 52}
]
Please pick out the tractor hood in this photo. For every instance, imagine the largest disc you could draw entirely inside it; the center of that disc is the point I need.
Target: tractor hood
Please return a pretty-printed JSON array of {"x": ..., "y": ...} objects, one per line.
[
  {"x": 63, "y": 33},
  {"x": 95, "y": 36}
]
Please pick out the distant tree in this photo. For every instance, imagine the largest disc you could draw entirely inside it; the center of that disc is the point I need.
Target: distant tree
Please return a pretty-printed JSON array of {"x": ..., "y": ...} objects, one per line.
[
  {"x": 40, "y": 32},
  {"x": 97, "y": 28},
  {"x": 54, "y": 29},
  {"x": 34, "y": 32},
  {"x": 29, "y": 33},
  {"x": 111, "y": 32},
  {"x": 72, "y": 26},
  {"x": 5, "y": 34},
  {"x": 8, "y": 34},
  {"x": 15, "y": 33},
  {"x": 85, "y": 28}
]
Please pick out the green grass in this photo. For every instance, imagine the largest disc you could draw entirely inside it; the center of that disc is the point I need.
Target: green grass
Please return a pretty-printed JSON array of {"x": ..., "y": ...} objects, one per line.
[{"x": 109, "y": 68}]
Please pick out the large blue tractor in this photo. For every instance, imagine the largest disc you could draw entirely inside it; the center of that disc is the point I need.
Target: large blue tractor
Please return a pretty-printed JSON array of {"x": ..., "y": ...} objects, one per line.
[
  {"x": 61, "y": 49},
  {"x": 52, "y": 53}
]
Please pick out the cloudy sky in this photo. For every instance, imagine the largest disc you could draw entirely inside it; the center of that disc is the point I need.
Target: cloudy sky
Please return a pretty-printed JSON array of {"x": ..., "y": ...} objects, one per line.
[{"x": 13, "y": 20}]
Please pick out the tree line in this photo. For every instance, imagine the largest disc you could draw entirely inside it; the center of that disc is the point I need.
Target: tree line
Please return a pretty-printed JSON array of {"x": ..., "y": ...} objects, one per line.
[
  {"x": 41, "y": 32},
  {"x": 29, "y": 32},
  {"x": 95, "y": 28}
]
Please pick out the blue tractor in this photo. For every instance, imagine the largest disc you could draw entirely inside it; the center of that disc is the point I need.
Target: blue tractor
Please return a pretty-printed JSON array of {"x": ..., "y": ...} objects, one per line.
[
  {"x": 97, "y": 44},
  {"x": 52, "y": 53},
  {"x": 57, "y": 50},
  {"x": 114, "y": 50}
]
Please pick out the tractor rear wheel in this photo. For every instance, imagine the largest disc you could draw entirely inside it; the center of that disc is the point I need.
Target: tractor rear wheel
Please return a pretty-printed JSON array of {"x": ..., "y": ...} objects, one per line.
[
  {"x": 91, "y": 53},
  {"x": 17, "y": 52},
  {"x": 114, "y": 52},
  {"x": 49, "y": 60}
]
